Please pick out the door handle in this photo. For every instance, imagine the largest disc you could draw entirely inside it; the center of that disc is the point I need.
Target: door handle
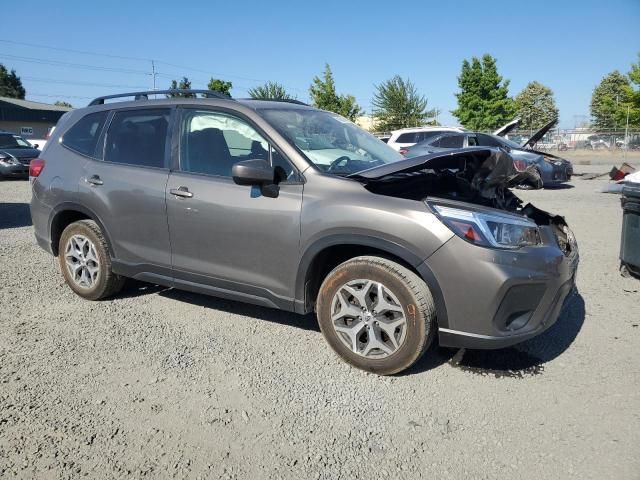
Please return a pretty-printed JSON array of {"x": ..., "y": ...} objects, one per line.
[
  {"x": 95, "y": 180},
  {"x": 182, "y": 192}
]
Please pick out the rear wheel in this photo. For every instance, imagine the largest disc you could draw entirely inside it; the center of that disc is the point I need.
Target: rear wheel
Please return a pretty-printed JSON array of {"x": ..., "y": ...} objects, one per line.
[
  {"x": 85, "y": 262},
  {"x": 376, "y": 314}
]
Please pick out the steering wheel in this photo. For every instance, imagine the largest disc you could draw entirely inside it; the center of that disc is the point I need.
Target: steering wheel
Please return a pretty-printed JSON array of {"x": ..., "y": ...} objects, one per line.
[{"x": 337, "y": 161}]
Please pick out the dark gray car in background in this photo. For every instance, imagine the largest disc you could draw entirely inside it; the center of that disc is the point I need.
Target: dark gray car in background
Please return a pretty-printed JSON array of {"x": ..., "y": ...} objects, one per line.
[
  {"x": 286, "y": 206},
  {"x": 15, "y": 155},
  {"x": 551, "y": 169}
]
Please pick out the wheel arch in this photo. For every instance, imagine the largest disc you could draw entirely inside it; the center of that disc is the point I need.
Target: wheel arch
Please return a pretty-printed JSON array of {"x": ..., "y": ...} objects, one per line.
[
  {"x": 67, "y": 213},
  {"x": 325, "y": 254}
]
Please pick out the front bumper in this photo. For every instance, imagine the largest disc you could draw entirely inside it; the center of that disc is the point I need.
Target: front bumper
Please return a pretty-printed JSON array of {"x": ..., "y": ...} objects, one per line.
[
  {"x": 14, "y": 170},
  {"x": 497, "y": 298},
  {"x": 556, "y": 174}
]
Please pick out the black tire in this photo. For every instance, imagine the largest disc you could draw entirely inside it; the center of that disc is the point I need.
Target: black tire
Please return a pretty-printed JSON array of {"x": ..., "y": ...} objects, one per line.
[
  {"x": 624, "y": 271},
  {"x": 528, "y": 185},
  {"x": 107, "y": 283},
  {"x": 413, "y": 295}
]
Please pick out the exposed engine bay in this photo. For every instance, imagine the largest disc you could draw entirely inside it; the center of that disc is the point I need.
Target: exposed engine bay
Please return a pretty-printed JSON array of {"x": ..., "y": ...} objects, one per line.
[{"x": 478, "y": 176}]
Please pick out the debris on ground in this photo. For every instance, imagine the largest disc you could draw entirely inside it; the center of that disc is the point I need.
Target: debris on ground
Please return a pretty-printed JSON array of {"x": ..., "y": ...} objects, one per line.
[
  {"x": 620, "y": 177},
  {"x": 619, "y": 173},
  {"x": 614, "y": 174}
]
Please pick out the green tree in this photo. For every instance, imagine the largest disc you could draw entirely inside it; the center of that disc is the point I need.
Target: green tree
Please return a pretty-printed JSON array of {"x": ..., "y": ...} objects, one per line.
[
  {"x": 609, "y": 101},
  {"x": 323, "y": 95},
  {"x": 483, "y": 100},
  {"x": 10, "y": 84},
  {"x": 184, "y": 84},
  {"x": 60, "y": 103},
  {"x": 220, "y": 86},
  {"x": 270, "y": 90},
  {"x": 397, "y": 104},
  {"x": 633, "y": 95},
  {"x": 536, "y": 106}
]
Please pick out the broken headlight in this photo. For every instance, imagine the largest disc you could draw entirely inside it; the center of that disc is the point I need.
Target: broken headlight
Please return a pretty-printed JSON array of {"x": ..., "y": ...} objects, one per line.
[{"x": 489, "y": 229}]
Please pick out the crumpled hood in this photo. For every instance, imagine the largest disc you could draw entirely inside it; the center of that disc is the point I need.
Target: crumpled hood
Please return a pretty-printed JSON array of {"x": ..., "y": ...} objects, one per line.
[{"x": 487, "y": 171}]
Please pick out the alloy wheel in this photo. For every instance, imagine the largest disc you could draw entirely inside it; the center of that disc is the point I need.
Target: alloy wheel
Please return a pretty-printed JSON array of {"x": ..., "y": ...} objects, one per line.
[
  {"x": 82, "y": 262},
  {"x": 368, "y": 318}
]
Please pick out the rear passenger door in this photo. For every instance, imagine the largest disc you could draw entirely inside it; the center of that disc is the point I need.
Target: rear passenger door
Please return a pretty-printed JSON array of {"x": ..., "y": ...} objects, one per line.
[
  {"x": 125, "y": 187},
  {"x": 226, "y": 238}
]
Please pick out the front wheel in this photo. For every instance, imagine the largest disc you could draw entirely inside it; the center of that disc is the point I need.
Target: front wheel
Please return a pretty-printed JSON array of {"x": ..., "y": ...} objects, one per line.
[{"x": 376, "y": 314}]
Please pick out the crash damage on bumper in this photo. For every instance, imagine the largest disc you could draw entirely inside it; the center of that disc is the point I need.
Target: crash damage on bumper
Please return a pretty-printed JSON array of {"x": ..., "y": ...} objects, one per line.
[{"x": 494, "y": 297}]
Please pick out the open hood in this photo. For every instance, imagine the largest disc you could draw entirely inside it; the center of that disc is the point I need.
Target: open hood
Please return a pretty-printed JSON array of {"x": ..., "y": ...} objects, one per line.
[
  {"x": 477, "y": 175},
  {"x": 505, "y": 129},
  {"x": 535, "y": 138}
]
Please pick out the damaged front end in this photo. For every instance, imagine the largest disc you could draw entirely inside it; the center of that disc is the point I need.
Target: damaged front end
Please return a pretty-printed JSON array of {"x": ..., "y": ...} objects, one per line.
[
  {"x": 507, "y": 271},
  {"x": 478, "y": 176}
]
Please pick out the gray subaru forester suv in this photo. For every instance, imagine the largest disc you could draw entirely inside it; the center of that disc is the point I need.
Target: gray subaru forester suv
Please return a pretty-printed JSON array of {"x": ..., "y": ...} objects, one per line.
[{"x": 283, "y": 205}]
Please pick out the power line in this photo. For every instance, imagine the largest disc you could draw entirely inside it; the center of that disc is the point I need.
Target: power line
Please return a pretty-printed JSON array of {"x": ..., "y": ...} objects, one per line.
[
  {"x": 59, "y": 95},
  {"x": 82, "y": 52},
  {"x": 58, "y": 63},
  {"x": 121, "y": 57},
  {"x": 82, "y": 84}
]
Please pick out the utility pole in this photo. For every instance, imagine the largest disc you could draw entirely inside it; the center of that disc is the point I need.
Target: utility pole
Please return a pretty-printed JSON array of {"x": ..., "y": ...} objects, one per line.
[
  {"x": 153, "y": 73},
  {"x": 626, "y": 134}
]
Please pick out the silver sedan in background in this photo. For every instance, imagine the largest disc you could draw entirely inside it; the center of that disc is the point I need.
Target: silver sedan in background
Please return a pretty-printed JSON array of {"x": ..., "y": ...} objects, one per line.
[{"x": 552, "y": 170}]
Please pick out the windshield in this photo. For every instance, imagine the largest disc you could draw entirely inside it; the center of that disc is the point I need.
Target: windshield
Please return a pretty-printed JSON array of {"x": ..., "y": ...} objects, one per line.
[
  {"x": 511, "y": 143},
  {"x": 330, "y": 142},
  {"x": 13, "y": 141}
]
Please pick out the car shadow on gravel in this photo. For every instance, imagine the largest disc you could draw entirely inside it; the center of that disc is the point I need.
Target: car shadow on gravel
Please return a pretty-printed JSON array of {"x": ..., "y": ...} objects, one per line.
[
  {"x": 523, "y": 360},
  {"x": 14, "y": 215},
  {"x": 560, "y": 186},
  {"x": 304, "y": 322}
]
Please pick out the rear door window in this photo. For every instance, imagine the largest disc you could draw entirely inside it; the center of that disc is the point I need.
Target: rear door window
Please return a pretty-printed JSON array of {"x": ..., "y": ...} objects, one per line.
[
  {"x": 407, "y": 138},
  {"x": 138, "y": 137},
  {"x": 83, "y": 136},
  {"x": 450, "y": 141},
  {"x": 422, "y": 136}
]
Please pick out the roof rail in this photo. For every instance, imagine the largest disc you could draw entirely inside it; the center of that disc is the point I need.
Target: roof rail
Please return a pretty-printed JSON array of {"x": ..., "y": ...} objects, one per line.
[
  {"x": 284, "y": 100},
  {"x": 145, "y": 95}
]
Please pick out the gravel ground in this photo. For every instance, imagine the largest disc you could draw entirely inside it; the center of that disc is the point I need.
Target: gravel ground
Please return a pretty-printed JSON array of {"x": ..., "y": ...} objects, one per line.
[{"x": 163, "y": 383}]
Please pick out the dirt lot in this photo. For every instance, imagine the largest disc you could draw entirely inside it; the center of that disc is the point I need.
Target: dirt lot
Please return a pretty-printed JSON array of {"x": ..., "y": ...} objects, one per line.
[{"x": 162, "y": 383}]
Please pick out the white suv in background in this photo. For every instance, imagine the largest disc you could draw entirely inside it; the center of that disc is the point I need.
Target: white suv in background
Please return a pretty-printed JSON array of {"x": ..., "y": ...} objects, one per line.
[{"x": 408, "y": 137}]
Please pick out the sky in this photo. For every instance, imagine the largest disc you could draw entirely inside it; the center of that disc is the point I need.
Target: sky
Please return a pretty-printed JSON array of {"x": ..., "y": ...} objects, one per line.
[{"x": 567, "y": 45}]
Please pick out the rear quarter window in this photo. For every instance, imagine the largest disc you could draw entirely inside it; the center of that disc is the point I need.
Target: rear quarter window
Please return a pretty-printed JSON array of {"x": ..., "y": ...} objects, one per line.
[
  {"x": 83, "y": 136},
  {"x": 138, "y": 137}
]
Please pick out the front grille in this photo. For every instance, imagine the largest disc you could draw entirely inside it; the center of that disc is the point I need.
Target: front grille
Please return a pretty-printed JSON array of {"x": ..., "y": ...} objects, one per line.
[{"x": 25, "y": 161}]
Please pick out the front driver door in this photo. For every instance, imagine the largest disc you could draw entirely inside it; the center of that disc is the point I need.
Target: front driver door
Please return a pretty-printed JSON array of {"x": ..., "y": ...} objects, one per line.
[{"x": 226, "y": 238}]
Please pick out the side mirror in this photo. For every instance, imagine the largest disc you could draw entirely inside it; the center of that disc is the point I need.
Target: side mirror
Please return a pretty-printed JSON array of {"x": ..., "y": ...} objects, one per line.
[
  {"x": 253, "y": 172},
  {"x": 35, "y": 145}
]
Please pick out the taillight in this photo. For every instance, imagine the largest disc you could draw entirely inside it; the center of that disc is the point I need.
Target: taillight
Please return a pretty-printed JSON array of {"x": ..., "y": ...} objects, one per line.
[
  {"x": 520, "y": 165},
  {"x": 35, "y": 167},
  {"x": 403, "y": 151}
]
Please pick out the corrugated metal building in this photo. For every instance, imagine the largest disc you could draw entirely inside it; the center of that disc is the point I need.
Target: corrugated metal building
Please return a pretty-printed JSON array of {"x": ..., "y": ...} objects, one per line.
[{"x": 28, "y": 119}]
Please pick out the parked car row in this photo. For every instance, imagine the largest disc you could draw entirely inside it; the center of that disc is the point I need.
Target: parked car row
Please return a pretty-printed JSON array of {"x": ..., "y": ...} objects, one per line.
[
  {"x": 550, "y": 170},
  {"x": 15, "y": 155}
]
